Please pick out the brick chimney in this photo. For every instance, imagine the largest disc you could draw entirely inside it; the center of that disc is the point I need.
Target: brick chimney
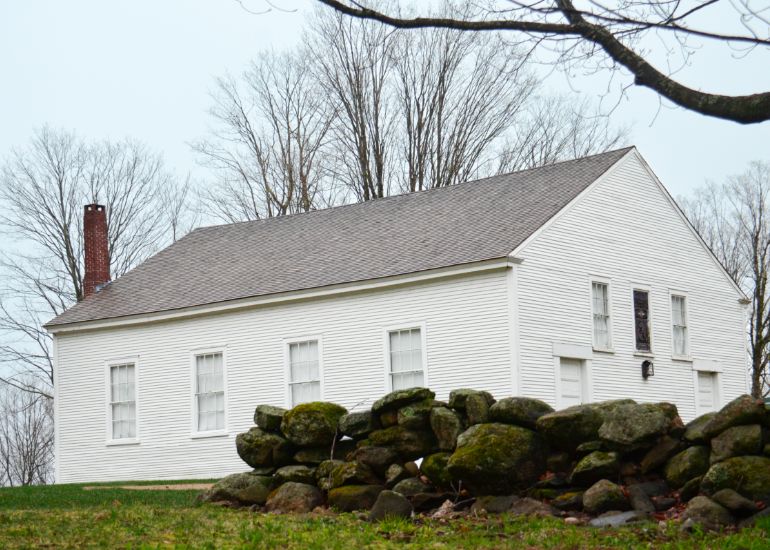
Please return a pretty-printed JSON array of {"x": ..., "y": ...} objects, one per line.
[{"x": 97, "y": 254}]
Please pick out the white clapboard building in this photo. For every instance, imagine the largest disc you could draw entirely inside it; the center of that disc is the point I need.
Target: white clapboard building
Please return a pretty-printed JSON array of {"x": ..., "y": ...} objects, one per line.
[{"x": 576, "y": 282}]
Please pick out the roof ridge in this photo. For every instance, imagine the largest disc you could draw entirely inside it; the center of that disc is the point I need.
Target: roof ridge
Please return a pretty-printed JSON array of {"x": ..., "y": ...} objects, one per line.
[{"x": 407, "y": 193}]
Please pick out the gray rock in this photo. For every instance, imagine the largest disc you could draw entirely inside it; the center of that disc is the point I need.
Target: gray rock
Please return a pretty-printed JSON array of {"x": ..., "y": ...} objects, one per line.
[
  {"x": 664, "y": 449},
  {"x": 748, "y": 475},
  {"x": 737, "y": 504},
  {"x": 707, "y": 513},
  {"x": 519, "y": 411},
  {"x": 570, "y": 501},
  {"x": 595, "y": 466},
  {"x": 323, "y": 473},
  {"x": 631, "y": 427},
  {"x": 409, "y": 444},
  {"x": 688, "y": 464},
  {"x": 493, "y": 504},
  {"x": 663, "y": 503},
  {"x": 694, "y": 431},
  {"x": 296, "y": 473},
  {"x": 394, "y": 474},
  {"x": 458, "y": 398},
  {"x": 244, "y": 489},
  {"x": 352, "y": 473},
  {"x": 531, "y": 507},
  {"x": 740, "y": 411},
  {"x": 377, "y": 458},
  {"x": 447, "y": 425},
  {"x": 477, "y": 409},
  {"x": 357, "y": 424},
  {"x": 316, "y": 455},
  {"x": 434, "y": 467},
  {"x": 690, "y": 489},
  {"x": 390, "y": 504},
  {"x": 737, "y": 441},
  {"x": 568, "y": 428},
  {"x": 354, "y": 497},
  {"x": 604, "y": 496},
  {"x": 411, "y": 486},
  {"x": 259, "y": 448},
  {"x": 617, "y": 519},
  {"x": 399, "y": 398},
  {"x": 312, "y": 424},
  {"x": 269, "y": 417},
  {"x": 639, "y": 500},
  {"x": 415, "y": 416},
  {"x": 294, "y": 497}
]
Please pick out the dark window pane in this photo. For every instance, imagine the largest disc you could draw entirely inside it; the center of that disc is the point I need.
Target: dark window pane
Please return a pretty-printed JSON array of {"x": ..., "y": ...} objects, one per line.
[{"x": 642, "y": 320}]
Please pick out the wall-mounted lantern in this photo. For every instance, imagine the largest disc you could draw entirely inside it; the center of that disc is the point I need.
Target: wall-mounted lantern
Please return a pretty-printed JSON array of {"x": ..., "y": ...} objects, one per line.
[{"x": 648, "y": 369}]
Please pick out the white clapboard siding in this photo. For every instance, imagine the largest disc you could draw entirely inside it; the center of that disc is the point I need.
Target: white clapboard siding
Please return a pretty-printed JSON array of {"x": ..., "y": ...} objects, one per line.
[
  {"x": 467, "y": 337},
  {"x": 625, "y": 230}
]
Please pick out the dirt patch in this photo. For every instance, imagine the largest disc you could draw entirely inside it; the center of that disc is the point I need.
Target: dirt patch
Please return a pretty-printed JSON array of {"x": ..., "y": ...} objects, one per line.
[{"x": 173, "y": 487}]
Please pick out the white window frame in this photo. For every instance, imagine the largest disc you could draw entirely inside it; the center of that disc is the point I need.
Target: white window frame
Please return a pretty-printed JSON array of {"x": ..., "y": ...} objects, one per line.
[
  {"x": 603, "y": 281},
  {"x": 133, "y": 360},
  {"x": 386, "y": 348},
  {"x": 679, "y": 294},
  {"x": 287, "y": 342},
  {"x": 194, "y": 432},
  {"x": 648, "y": 290}
]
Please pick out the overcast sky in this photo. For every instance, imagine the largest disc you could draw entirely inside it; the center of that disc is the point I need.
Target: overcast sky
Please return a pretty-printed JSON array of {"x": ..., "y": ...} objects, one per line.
[{"x": 144, "y": 69}]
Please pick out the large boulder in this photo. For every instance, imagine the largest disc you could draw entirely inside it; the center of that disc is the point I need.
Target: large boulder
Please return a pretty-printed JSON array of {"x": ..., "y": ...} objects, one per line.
[
  {"x": 354, "y": 497},
  {"x": 294, "y": 497},
  {"x": 519, "y": 411},
  {"x": 741, "y": 410},
  {"x": 604, "y": 496},
  {"x": 409, "y": 444},
  {"x": 269, "y": 417},
  {"x": 410, "y": 486},
  {"x": 243, "y": 489},
  {"x": 415, "y": 416},
  {"x": 748, "y": 475},
  {"x": 447, "y": 425},
  {"x": 664, "y": 449},
  {"x": 477, "y": 409},
  {"x": 352, "y": 473},
  {"x": 707, "y": 513},
  {"x": 568, "y": 428},
  {"x": 736, "y": 503},
  {"x": 400, "y": 398},
  {"x": 595, "y": 466},
  {"x": 434, "y": 467},
  {"x": 357, "y": 425},
  {"x": 630, "y": 427},
  {"x": 458, "y": 398},
  {"x": 312, "y": 424},
  {"x": 684, "y": 466},
  {"x": 259, "y": 448},
  {"x": 737, "y": 441},
  {"x": 323, "y": 473},
  {"x": 296, "y": 473},
  {"x": 315, "y": 455},
  {"x": 694, "y": 431},
  {"x": 496, "y": 459},
  {"x": 376, "y": 458},
  {"x": 390, "y": 504}
]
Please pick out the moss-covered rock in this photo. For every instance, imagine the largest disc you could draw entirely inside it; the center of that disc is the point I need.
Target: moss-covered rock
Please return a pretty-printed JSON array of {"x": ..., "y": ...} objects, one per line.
[
  {"x": 400, "y": 398},
  {"x": 296, "y": 473},
  {"x": 410, "y": 486},
  {"x": 312, "y": 424},
  {"x": 339, "y": 450},
  {"x": 394, "y": 474},
  {"x": 491, "y": 504},
  {"x": 352, "y": 473},
  {"x": 388, "y": 419},
  {"x": 518, "y": 411},
  {"x": 595, "y": 466},
  {"x": 631, "y": 427},
  {"x": 294, "y": 497},
  {"x": 661, "y": 452},
  {"x": 568, "y": 428},
  {"x": 735, "y": 502},
  {"x": 738, "y": 412},
  {"x": 415, "y": 416},
  {"x": 377, "y": 458},
  {"x": 259, "y": 448},
  {"x": 748, "y": 475},
  {"x": 737, "y": 441},
  {"x": 354, "y": 497},
  {"x": 604, "y": 496},
  {"x": 323, "y": 473},
  {"x": 447, "y": 425},
  {"x": 686, "y": 465},
  {"x": 245, "y": 489},
  {"x": 694, "y": 431},
  {"x": 707, "y": 513},
  {"x": 390, "y": 504},
  {"x": 409, "y": 444},
  {"x": 457, "y": 398},
  {"x": 690, "y": 489},
  {"x": 269, "y": 417},
  {"x": 434, "y": 467},
  {"x": 477, "y": 409},
  {"x": 569, "y": 501},
  {"x": 497, "y": 459},
  {"x": 357, "y": 425}
]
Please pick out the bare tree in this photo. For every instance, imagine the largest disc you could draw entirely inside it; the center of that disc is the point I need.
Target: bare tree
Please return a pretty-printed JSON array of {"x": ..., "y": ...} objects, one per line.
[
  {"x": 43, "y": 188},
  {"x": 26, "y": 438},
  {"x": 266, "y": 148},
  {"x": 612, "y": 35},
  {"x": 733, "y": 219},
  {"x": 179, "y": 206}
]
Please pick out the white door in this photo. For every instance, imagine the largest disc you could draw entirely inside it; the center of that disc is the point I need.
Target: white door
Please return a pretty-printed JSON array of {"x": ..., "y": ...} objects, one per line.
[
  {"x": 571, "y": 382},
  {"x": 707, "y": 392}
]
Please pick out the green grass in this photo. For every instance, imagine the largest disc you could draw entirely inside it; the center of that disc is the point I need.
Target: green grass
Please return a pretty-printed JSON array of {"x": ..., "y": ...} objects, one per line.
[{"x": 66, "y": 516}]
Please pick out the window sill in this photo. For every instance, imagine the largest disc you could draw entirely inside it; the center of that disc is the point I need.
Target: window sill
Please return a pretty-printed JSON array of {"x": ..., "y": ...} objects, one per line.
[
  {"x": 604, "y": 350},
  {"x": 119, "y": 442},
  {"x": 647, "y": 354},
  {"x": 686, "y": 358},
  {"x": 205, "y": 435}
]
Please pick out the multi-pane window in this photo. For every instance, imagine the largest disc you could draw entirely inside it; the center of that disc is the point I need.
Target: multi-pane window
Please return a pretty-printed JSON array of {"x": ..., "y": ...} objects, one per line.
[
  {"x": 642, "y": 337},
  {"x": 123, "y": 401},
  {"x": 304, "y": 372},
  {"x": 405, "y": 350},
  {"x": 679, "y": 321},
  {"x": 209, "y": 392},
  {"x": 601, "y": 312}
]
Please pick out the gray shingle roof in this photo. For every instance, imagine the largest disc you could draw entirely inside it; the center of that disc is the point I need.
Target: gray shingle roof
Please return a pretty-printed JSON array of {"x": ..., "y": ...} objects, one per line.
[{"x": 466, "y": 223}]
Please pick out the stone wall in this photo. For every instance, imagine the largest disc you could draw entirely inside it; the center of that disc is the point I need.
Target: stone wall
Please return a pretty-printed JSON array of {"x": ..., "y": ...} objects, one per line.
[{"x": 513, "y": 454}]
